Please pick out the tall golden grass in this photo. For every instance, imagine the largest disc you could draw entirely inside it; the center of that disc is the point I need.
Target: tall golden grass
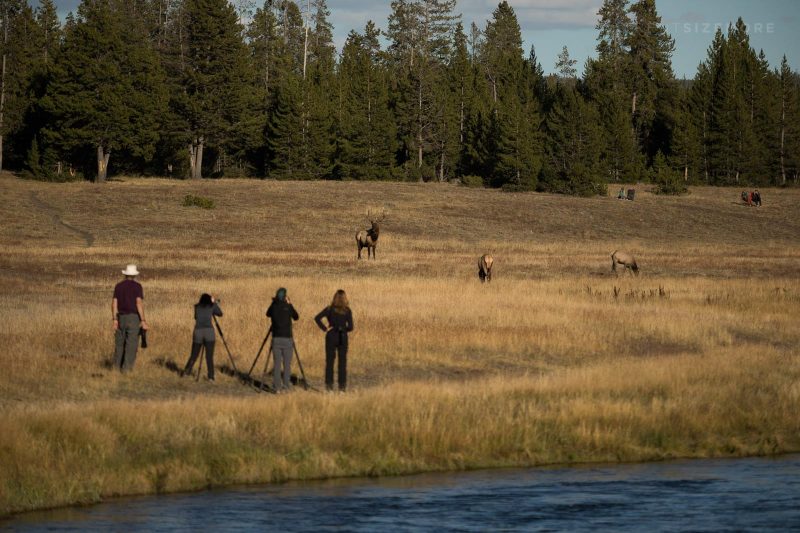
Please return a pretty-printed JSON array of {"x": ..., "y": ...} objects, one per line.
[{"x": 556, "y": 361}]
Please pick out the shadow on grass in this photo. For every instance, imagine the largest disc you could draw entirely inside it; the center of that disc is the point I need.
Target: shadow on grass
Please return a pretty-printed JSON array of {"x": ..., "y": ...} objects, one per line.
[
  {"x": 258, "y": 383},
  {"x": 247, "y": 379}
]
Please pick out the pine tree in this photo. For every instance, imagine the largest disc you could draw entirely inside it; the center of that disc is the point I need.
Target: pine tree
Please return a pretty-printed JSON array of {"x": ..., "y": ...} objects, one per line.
[
  {"x": 765, "y": 114},
  {"x": 751, "y": 149},
  {"x": 573, "y": 147},
  {"x": 213, "y": 103},
  {"x": 667, "y": 180},
  {"x": 366, "y": 141},
  {"x": 266, "y": 58},
  {"x": 723, "y": 144},
  {"x": 565, "y": 65},
  {"x": 107, "y": 91},
  {"x": 538, "y": 81},
  {"x": 608, "y": 85},
  {"x": 789, "y": 153},
  {"x": 615, "y": 28},
  {"x": 421, "y": 35},
  {"x": 699, "y": 106},
  {"x": 50, "y": 31},
  {"x": 317, "y": 135},
  {"x": 650, "y": 73},
  {"x": 514, "y": 141},
  {"x": 461, "y": 74},
  {"x": 265, "y": 50},
  {"x": 285, "y": 130},
  {"x": 686, "y": 142},
  {"x": 18, "y": 68}
]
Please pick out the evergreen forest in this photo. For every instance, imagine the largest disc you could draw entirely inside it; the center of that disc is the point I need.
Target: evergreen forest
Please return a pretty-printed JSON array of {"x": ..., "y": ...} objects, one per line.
[{"x": 195, "y": 89}]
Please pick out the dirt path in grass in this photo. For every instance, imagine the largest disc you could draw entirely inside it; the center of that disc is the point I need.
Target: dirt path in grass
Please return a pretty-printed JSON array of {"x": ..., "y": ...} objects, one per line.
[{"x": 58, "y": 221}]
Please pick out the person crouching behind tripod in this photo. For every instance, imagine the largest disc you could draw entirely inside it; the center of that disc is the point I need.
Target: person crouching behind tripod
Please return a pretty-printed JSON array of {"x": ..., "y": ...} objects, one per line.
[
  {"x": 340, "y": 323},
  {"x": 203, "y": 334},
  {"x": 282, "y": 313}
]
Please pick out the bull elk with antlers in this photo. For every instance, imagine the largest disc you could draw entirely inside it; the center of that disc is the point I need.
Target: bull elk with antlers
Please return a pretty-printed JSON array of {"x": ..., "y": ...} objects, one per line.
[{"x": 368, "y": 238}]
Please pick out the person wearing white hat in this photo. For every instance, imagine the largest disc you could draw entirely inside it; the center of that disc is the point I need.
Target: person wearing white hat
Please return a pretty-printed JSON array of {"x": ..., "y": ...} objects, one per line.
[{"x": 127, "y": 309}]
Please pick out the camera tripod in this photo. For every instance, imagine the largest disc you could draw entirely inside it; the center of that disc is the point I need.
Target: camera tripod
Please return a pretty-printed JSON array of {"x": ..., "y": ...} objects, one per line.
[
  {"x": 201, "y": 354},
  {"x": 265, "y": 373},
  {"x": 224, "y": 342}
]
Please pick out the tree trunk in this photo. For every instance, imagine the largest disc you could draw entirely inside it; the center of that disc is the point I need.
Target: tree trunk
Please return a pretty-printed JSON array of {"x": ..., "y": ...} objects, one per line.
[
  {"x": 196, "y": 159},
  {"x": 705, "y": 150},
  {"x": 419, "y": 129},
  {"x": 191, "y": 160},
  {"x": 461, "y": 118},
  {"x": 305, "y": 43},
  {"x": 198, "y": 162},
  {"x": 783, "y": 138},
  {"x": 3, "y": 86},
  {"x": 102, "y": 163}
]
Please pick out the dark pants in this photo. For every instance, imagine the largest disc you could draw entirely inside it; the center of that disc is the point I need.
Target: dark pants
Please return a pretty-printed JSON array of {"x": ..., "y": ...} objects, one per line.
[
  {"x": 202, "y": 338},
  {"x": 126, "y": 341},
  {"x": 336, "y": 341}
]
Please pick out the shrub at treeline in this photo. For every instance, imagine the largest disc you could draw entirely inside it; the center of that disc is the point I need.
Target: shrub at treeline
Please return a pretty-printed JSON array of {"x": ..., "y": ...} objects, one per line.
[{"x": 182, "y": 88}]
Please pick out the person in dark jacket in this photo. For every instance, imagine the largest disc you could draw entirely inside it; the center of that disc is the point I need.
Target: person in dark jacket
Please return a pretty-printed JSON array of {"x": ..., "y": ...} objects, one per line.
[
  {"x": 282, "y": 312},
  {"x": 340, "y": 323},
  {"x": 203, "y": 334}
]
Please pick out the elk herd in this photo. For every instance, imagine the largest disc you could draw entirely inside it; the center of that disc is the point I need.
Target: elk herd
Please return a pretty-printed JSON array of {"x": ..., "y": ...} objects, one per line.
[{"x": 368, "y": 238}]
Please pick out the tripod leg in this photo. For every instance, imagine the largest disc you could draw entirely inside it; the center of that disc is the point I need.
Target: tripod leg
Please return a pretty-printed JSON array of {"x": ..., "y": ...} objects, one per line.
[
  {"x": 200, "y": 366},
  {"x": 300, "y": 365},
  {"x": 265, "y": 374},
  {"x": 225, "y": 343},
  {"x": 249, "y": 372}
]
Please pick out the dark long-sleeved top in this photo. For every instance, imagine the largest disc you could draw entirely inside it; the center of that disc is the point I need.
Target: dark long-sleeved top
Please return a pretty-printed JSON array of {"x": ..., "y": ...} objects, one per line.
[
  {"x": 282, "y": 314},
  {"x": 203, "y": 314},
  {"x": 338, "y": 322}
]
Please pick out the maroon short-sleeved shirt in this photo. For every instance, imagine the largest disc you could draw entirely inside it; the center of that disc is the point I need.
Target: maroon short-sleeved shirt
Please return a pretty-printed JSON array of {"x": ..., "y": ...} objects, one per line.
[{"x": 126, "y": 293}]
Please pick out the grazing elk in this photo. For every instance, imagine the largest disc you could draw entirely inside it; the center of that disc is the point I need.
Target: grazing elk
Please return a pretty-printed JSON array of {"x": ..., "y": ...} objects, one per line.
[
  {"x": 369, "y": 238},
  {"x": 485, "y": 267},
  {"x": 626, "y": 260}
]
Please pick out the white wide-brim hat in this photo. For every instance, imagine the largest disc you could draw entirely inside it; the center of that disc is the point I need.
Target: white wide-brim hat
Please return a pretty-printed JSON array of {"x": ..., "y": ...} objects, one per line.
[{"x": 130, "y": 270}]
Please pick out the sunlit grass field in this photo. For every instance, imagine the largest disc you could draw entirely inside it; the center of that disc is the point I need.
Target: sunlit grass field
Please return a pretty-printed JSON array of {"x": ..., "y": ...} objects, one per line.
[{"x": 556, "y": 361}]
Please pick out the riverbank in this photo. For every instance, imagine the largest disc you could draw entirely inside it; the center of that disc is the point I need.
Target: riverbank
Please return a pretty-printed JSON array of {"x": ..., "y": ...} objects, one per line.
[
  {"x": 716, "y": 405},
  {"x": 556, "y": 361},
  {"x": 697, "y": 494}
]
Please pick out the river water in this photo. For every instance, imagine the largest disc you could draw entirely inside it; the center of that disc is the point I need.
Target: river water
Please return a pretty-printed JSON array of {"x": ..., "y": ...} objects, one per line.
[{"x": 754, "y": 494}]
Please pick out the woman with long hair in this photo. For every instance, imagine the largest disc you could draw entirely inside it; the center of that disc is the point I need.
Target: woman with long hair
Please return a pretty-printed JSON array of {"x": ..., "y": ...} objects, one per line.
[
  {"x": 339, "y": 323},
  {"x": 203, "y": 335}
]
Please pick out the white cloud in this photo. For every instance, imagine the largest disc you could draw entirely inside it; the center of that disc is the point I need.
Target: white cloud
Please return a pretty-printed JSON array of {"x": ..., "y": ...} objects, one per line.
[{"x": 555, "y": 14}]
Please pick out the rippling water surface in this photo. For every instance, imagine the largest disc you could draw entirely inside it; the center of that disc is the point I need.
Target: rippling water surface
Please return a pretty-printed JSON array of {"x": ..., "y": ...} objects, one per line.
[{"x": 700, "y": 495}]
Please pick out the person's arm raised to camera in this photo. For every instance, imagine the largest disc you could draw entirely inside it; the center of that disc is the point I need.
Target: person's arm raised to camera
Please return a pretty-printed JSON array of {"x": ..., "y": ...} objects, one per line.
[{"x": 216, "y": 311}]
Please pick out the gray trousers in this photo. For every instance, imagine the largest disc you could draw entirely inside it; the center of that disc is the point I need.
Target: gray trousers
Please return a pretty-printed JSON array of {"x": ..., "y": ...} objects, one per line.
[
  {"x": 282, "y": 351},
  {"x": 126, "y": 341},
  {"x": 202, "y": 337}
]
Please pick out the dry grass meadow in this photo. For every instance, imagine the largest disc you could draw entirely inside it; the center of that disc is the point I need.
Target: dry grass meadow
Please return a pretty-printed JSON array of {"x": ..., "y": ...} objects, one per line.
[{"x": 696, "y": 357}]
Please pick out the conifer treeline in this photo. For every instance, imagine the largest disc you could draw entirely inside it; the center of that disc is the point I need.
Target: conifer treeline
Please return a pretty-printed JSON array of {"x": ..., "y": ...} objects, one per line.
[{"x": 183, "y": 88}]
